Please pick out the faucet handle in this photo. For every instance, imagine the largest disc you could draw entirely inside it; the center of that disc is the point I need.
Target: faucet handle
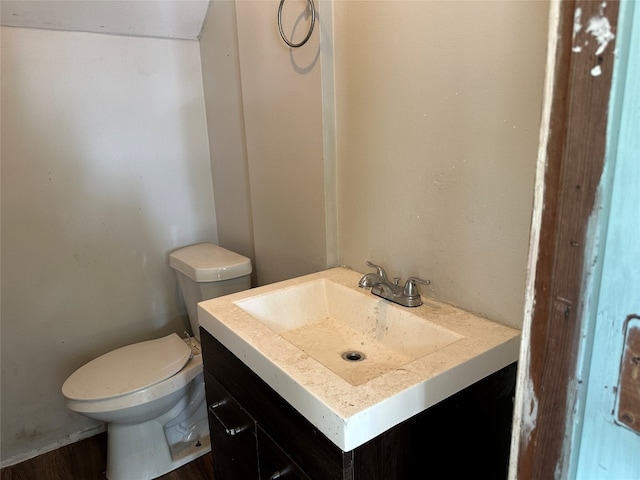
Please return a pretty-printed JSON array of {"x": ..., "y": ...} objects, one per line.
[
  {"x": 410, "y": 289},
  {"x": 379, "y": 269}
]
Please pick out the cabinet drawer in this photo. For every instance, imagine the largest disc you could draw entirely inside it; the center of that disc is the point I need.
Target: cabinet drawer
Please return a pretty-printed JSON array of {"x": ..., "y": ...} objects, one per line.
[
  {"x": 274, "y": 463},
  {"x": 233, "y": 435}
]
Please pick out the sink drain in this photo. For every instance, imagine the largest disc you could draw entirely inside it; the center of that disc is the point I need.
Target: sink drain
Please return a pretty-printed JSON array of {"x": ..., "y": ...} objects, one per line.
[{"x": 353, "y": 356}]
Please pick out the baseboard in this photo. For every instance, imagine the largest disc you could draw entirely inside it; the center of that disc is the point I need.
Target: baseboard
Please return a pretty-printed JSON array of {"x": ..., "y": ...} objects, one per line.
[{"x": 69, "y": 439}]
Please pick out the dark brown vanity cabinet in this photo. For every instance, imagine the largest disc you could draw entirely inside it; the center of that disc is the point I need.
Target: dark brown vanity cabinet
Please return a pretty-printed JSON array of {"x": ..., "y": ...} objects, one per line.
[
  {"x": 243, "y": 450},
  {"x": 233, "y": 432},
  {"x": 273, "y": 462},
  {"x": 256, "y": 434}
]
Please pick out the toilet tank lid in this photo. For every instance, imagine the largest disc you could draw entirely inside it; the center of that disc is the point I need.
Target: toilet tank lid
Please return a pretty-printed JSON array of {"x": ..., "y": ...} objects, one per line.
[
  {"x": 206, "y": 262},
  {"x": 128, "y": 369}
]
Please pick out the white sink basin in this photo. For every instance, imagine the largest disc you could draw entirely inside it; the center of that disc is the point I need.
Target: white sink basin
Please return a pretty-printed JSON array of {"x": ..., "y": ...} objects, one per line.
[
  {"x": 292, "y": 334},
  {"x": 356, "y": 336}
]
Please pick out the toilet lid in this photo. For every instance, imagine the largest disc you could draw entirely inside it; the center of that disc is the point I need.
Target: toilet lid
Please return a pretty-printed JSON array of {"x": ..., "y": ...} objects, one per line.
[
  {"x": 206, "y": 262},
  {"x": 128, "y": 369}
]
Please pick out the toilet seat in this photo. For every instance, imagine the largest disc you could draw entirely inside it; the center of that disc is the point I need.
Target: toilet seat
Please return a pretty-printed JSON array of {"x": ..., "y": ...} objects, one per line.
[{"x": 128, "y": 369}]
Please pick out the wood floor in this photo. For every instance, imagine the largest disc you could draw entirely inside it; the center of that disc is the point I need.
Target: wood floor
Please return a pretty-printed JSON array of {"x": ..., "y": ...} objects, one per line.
[{"x": 87, "y": 460}]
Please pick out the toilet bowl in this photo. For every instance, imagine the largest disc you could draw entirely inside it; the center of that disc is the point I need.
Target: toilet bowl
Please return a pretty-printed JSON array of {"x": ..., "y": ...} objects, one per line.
[{"x": 151, "y": 394}]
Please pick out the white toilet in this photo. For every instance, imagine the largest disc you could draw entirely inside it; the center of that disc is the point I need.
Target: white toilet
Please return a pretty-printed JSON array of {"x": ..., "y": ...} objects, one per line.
[{"x": 151, "y": 394}]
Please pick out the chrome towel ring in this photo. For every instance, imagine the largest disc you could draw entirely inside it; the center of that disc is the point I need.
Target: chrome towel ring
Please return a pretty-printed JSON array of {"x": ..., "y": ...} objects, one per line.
[{"x": 313, "y": 21}]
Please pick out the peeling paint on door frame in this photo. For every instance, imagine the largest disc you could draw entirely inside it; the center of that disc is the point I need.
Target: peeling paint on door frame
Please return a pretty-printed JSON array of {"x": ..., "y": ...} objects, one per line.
[{"x": 570, "y": 164}]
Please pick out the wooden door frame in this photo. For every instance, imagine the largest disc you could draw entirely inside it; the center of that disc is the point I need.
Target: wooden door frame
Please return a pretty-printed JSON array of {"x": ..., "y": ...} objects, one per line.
[{"x": 571, "y": 163}]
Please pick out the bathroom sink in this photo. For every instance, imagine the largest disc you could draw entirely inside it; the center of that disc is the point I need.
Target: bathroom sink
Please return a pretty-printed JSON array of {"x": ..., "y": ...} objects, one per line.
[
  {"x": 354, "y": 364},
  {"x": 352, "y": 333}
]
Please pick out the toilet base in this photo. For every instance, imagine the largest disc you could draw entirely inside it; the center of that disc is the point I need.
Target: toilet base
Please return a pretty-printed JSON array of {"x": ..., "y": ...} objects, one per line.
[
  {"x": 147, "y": 450},
  {"x": 141, "y": 458}
]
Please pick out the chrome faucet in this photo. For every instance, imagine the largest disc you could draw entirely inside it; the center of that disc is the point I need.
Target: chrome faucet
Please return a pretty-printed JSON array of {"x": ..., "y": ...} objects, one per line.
[{"x": 381, "y": 286}]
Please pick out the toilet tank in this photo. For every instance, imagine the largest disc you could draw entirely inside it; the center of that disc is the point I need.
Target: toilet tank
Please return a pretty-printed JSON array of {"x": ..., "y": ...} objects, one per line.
[{"x": 208, "y": 271}]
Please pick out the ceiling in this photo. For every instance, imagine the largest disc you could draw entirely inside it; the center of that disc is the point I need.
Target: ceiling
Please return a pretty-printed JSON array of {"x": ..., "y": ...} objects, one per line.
[{"x": 146, "y": 18}]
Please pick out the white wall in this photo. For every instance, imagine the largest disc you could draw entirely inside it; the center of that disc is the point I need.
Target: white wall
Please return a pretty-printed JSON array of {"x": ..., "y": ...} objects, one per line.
[{"x": 105, "y": 170}]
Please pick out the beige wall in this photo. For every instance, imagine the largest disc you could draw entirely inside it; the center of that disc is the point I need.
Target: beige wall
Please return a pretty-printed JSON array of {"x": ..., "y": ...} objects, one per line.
[
  {"x": 438, "y": 106},
  {"x": 271, "y": 150},
  {"x": 105, "y": 170},
  {"x": 225, "y": 124},
  {"x": 283, "y": 124}
]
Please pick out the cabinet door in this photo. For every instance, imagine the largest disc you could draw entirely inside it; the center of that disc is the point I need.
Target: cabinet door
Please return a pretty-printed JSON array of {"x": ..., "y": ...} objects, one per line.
[
  {"x": 302, "y": 441},
  {"x": 233, "y": 435},
  {"x": 274, "y": 463}
]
